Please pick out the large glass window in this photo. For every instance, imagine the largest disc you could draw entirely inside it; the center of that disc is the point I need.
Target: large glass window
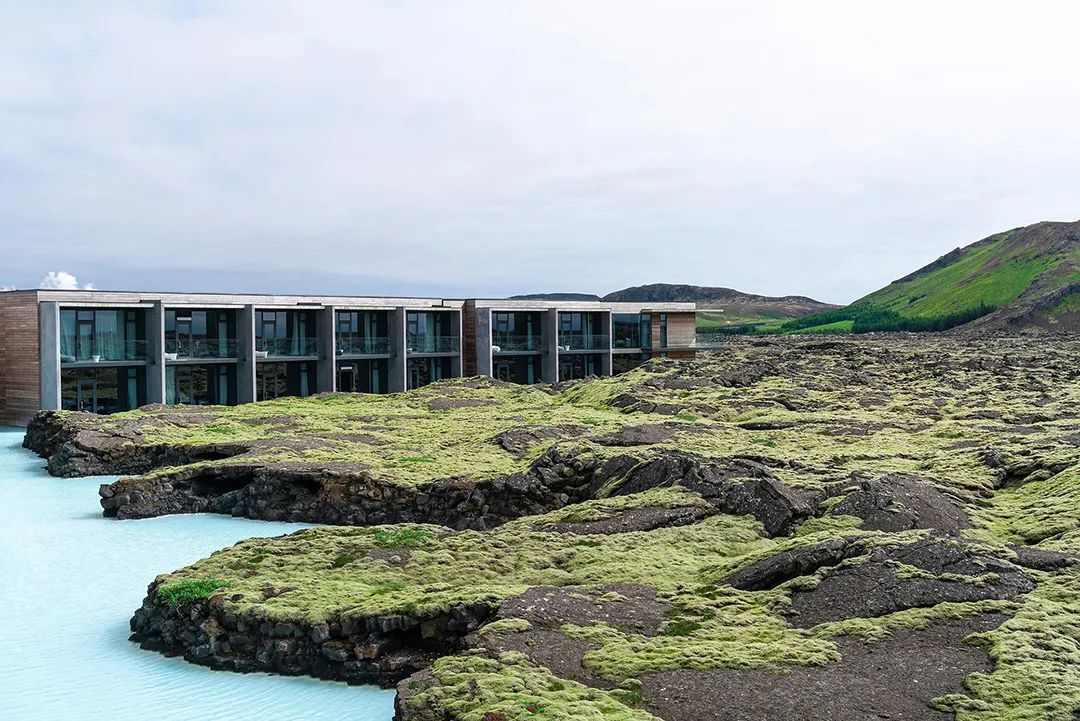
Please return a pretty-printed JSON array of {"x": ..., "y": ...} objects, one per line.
[
  {"x": 515, "y": 331},
  {"x": 576, "y": 366},
  {"x": 275, "y": 380},
  {"x": 200, "y": 333},
  {"x": 421, "y": 371},
  {"x": 200, "y": 385},
  {"x": 582, "y": 331},
  {"x": 523, "y": 369},
  {"x": 363, "y": 376},
  {"x": 103, "y": 390},
  {"x": 626, "y": 330},
  {"x": 285, "y": 333},
  {"x": 96, "y": 335},
  {"x": 431, "y": 332},
  {"x": 362, "y": 332}
]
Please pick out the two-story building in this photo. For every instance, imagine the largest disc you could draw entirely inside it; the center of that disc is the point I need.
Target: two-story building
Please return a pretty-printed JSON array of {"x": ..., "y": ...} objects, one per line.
[{"x": 104, "y": 352}]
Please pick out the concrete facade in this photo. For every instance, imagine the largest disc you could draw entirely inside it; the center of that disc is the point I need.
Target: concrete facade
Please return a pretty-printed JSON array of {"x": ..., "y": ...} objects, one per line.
[{"x": 43, "y": 361}]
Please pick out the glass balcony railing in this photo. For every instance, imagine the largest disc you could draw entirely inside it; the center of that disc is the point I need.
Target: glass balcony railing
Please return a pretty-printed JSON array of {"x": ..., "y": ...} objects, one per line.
[
  {"x": 432, "y": 344},
  {"x": 362, "y": 345},
  {"x": 578, "y": 341},
  {"x": 511, "y": 343},
  {"x": 285, "y": 347},
  {"x": 105, "y": 351},
  {"x": 185, "y": 348}
]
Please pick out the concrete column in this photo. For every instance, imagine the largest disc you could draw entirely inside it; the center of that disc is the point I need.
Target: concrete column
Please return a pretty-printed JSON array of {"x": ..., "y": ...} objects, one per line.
[
  {"x": 484, "y": 363},
  {"x": 606, "y": 360},
  {"x": 455, "y": 362},
  {"x": 549, "y": 335},
  {"x": 155, "y": 353},
  {"x": 49, "y": 354},
  {"x": 245, "y": 354},
  {"x": 326, "y": 330},
  {"x": 396, "y": 382}
]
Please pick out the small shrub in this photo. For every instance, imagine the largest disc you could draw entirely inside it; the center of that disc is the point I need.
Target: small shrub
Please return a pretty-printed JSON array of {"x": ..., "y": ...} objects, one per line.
[
  {"x": 403, "y": 538},
  {"x": 391, "y": 587},
  {"x": 344, "y": 560},
  {"x": 190, "y": 590}
]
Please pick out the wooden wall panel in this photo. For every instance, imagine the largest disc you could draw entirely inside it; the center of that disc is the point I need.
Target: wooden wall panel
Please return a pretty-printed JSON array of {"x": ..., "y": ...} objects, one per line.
[
  {"x": 20, "y": 389},
  {"x": 468, "y": 341}
]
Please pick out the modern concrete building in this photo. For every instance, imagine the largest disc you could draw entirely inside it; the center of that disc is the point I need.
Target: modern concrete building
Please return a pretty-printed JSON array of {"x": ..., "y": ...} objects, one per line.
[
  {"x": 527, "y": 341},
  {"x": 103, "y": 352}
]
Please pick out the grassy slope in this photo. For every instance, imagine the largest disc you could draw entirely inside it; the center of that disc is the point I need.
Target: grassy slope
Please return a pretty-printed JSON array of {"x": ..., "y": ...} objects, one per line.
[
  {"x": 932, "y": 409},
  {"x": 993, "y": 273}
]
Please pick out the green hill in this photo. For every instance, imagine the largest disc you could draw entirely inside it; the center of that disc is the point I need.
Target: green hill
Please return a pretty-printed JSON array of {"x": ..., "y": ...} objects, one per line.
[{"x": 1023, "y": 278}]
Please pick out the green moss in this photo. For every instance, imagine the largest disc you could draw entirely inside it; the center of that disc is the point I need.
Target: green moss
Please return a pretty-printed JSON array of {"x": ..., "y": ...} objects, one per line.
[
  {"x": 507, "y": 625},
  {"x": 188, "y": 590},
  {"x": 476, "y": 688},
  {"x": 1036, "y": 656}
]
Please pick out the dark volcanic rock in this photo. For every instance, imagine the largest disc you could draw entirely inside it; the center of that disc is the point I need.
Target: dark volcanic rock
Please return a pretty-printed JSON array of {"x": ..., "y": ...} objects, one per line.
[
  {"x": 381, "y": 650},
  {"x": 776, "y": 569},
  {"x": 894, "y": 678},
  {"x": 636, "y": 519},
  {"x": 898, "y": 502},
  {"x": 918, "y": 575},
  {"x": 628, "y": 607},
  {"x": 737, "y": 486}
]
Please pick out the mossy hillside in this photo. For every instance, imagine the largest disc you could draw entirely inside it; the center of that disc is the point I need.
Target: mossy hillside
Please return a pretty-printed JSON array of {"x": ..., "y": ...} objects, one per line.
[
  {"x": 1014, "y": 271},
  {"x": 994, "y": 273}
]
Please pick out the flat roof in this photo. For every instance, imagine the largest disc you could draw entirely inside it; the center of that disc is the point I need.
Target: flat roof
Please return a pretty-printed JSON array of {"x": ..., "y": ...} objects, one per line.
[{"x": 293, "y": 301}]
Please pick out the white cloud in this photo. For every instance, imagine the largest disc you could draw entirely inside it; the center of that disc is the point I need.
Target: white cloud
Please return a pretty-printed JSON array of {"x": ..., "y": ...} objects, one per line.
[
  {"x": 62, "y": 280},
  {"x": 6, "y": 288}
]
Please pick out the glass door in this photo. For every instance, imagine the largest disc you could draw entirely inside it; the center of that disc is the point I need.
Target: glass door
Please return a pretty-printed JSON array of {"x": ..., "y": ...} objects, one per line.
[{"x": 86, "y": 395}]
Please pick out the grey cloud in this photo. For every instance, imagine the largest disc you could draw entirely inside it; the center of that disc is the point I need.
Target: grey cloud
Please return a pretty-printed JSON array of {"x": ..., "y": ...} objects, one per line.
[{"x": 779, "y": 147}]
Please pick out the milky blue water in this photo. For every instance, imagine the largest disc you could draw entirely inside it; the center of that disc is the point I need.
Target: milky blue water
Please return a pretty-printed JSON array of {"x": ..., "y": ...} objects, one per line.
[{"x": 69, "y": 582}]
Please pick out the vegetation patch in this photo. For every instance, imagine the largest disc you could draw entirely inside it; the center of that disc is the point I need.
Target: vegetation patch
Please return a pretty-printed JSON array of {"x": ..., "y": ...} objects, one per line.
[{"x": 190, "y": 590}]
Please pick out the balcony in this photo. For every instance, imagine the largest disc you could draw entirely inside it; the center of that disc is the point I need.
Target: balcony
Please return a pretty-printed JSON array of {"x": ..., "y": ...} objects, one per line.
[
  {"x": 515, "y": 343},
  {"x": 362, "y": 345},
  {"x": 104, "y": 351},
  {"x": 581, "y": 342},
  {"x": 199, "y": 348},
  {"x": 285, "y": 347},
  {"x": 432, "y": 344}
]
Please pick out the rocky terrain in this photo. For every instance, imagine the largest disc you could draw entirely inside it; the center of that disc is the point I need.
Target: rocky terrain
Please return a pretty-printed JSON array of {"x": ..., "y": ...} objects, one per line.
[{"x": 841, "y": 529}]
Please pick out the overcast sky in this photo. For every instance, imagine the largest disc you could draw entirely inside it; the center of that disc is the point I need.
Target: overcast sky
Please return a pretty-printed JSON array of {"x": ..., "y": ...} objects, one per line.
[{"x": 464, "y": 148}]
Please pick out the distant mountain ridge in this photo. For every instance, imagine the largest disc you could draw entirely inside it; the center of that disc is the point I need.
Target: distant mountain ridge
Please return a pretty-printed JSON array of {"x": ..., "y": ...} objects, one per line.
[{"x": 722, "y": 310}]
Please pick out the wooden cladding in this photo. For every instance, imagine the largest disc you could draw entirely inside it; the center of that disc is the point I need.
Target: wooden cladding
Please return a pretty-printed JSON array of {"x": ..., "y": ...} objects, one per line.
[
  {"x": 20, "y": 382},
  {"x": 468, "y": 340}
]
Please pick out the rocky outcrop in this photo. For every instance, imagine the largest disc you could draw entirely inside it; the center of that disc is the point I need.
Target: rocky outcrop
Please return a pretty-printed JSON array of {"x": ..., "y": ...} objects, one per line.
[
  {"x": 917, "y": 575},
  {"x": 76, "y": 448},
  {"x": 320, "y": 494},
  {"x": 370, "y": 650},
  {"x": 350, "y": 495},
  {"x": 738, "y": 486},
  {"x": 898, "y": 502}
]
